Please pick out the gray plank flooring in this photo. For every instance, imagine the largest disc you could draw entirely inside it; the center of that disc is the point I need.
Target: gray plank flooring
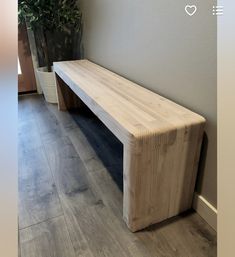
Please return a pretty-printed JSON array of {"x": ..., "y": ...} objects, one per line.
[
  {"x": 49, "y": 238},
  {"x": 70, "y": 193}
]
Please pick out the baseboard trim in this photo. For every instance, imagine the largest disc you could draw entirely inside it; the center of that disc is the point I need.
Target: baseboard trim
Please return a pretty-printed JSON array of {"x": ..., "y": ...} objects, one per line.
[{"x": 205, "y": 210}]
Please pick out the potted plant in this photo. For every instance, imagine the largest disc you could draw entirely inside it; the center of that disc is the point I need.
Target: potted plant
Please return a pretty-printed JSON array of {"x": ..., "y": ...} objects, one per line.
[{"x": 57, "y": 29}]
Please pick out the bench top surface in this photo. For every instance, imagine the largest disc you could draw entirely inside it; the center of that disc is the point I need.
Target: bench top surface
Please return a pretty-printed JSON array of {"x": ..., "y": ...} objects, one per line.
[{"x": 136, "y": 109}]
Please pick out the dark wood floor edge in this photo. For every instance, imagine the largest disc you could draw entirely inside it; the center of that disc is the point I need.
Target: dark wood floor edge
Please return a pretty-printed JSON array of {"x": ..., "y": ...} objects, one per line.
[{"x": 28, "y": 92}]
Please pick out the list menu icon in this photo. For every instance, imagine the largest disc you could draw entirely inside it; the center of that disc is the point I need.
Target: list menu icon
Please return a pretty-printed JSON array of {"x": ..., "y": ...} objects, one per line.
[{"x": 218, "y": 10}]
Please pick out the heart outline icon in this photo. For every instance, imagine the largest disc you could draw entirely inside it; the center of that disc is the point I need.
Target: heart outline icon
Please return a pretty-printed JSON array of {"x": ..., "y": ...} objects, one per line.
[{"x": 190, "y": 9}]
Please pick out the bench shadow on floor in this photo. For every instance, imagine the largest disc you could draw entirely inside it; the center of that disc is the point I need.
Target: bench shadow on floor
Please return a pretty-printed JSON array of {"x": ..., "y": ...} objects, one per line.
[{"x": 106, "y": 145}]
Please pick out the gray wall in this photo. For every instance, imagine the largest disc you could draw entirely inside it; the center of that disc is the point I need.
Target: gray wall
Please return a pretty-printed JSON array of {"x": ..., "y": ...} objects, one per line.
[{"x": 155, "y": 44}]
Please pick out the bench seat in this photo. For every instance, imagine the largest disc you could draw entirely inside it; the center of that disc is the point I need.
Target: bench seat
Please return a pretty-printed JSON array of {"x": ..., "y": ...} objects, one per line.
[{"x": 161, "y": 139}]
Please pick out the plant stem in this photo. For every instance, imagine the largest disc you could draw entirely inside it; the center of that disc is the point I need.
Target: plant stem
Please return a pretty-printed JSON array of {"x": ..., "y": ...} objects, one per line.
[{"x": 45, "y": 50}]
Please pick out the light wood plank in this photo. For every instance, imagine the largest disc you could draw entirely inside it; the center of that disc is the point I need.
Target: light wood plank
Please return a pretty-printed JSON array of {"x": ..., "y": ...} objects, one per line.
[
  {"x": 99, "y": 92},
  {"x": 161, "y": 139}
]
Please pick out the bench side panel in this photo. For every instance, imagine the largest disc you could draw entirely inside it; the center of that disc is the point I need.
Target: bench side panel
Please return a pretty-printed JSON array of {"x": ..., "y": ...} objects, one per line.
[{"x": 159, "y": 175}]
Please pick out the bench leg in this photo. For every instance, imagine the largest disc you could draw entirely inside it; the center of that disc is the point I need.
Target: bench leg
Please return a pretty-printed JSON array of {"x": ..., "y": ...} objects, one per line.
[
  {"x": 159, "y": 176},
  {"x": 67, "y": 99}
]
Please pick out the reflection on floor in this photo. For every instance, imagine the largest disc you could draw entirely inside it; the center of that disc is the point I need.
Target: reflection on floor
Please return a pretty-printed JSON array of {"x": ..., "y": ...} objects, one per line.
[{"x": 70, "y": 193}]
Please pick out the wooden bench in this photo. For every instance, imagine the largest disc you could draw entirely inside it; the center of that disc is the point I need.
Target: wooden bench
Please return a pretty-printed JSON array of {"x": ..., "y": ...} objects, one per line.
[{"x": 161, "y": 139}]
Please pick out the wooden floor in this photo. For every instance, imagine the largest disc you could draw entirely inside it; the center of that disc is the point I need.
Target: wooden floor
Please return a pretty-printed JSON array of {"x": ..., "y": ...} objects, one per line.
[{"x": 70, "y": 193}]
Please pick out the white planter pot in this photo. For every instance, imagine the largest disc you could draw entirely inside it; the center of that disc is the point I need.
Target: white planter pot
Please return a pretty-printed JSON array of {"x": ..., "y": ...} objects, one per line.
[{"x": 48, "y": 84}]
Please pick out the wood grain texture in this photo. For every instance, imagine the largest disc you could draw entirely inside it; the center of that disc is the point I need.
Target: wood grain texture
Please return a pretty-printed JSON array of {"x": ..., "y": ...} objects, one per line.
[
  {"x": 67, "y": 98},
  {"x": 161, "y": 139},
  {"x": 125, "y": 108},
  {"x": 47, "y": 239},
  {"x": 179, "y": 237},
  {"x": 38, "y": 198},
  {"x": 91, "y": 221}
]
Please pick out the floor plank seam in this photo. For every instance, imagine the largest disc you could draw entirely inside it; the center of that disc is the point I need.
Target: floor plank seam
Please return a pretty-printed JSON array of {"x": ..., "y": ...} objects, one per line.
[
  {"x": 57, "y": 190},
  {"x": 52, "y": 175},
  {"x": 40, "y": 222}
]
